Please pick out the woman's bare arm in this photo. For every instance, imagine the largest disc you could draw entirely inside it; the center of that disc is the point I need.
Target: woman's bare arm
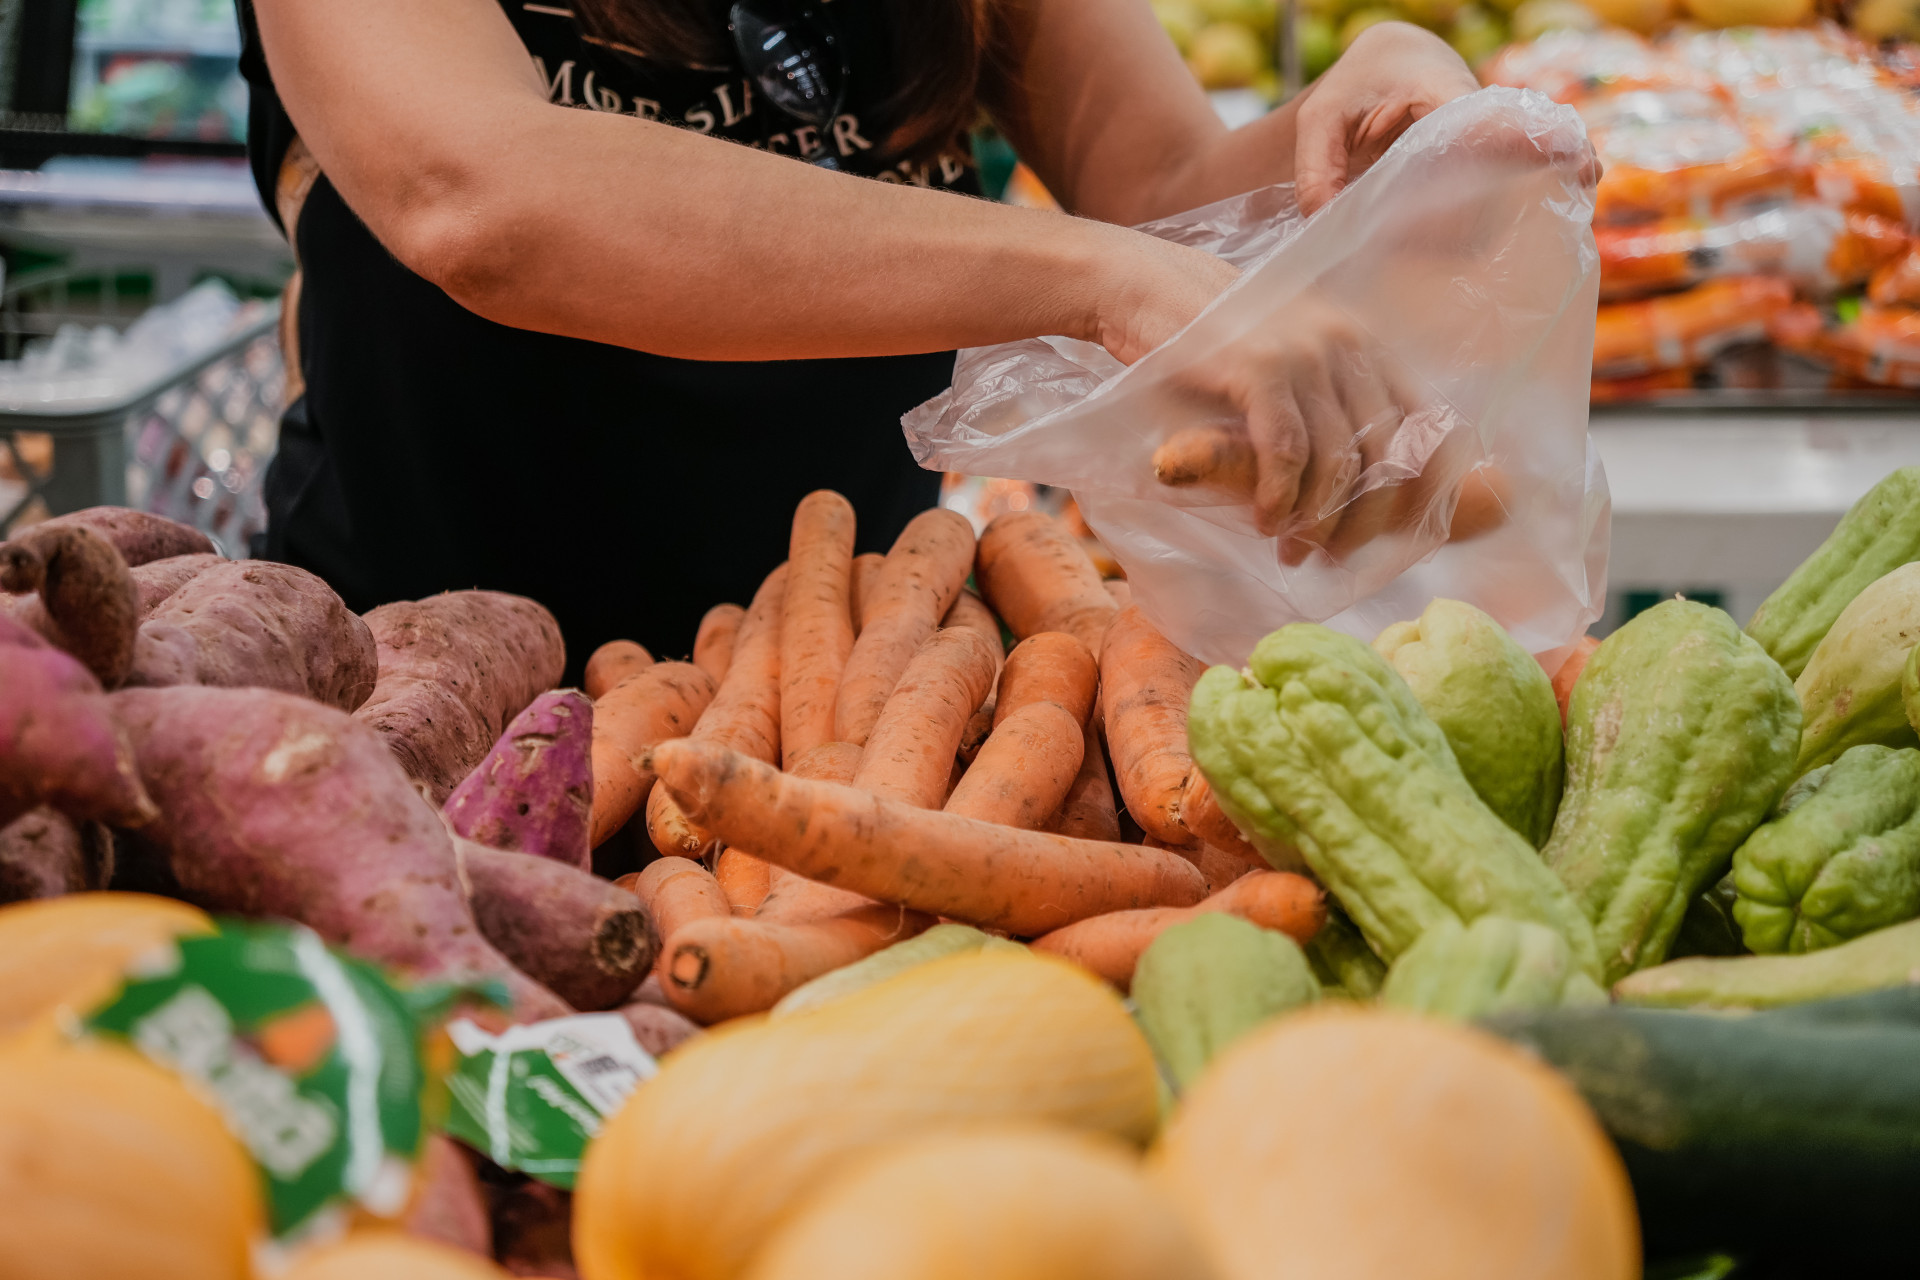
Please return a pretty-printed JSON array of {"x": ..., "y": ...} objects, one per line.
[{"x": 642, "y": 235}]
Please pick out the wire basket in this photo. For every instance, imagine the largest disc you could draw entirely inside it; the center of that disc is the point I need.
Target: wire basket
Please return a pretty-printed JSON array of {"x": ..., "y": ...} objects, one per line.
[{"x": 192, "y": 444}]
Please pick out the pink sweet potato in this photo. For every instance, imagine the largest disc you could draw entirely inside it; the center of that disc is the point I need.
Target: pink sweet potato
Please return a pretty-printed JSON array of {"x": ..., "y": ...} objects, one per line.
[
  {"x": 448, "y": 1203},
  {"x": 275, "y": 805},
  {"x": 534, "y": 791},
  {"x": 453, "y": 670},
  {"x": 257, "y": 624},
  {"x": 44, "y": 854},
  {"x": 138, "y": 536},
  {"x": 657, "y": 1027},
  {"x": 158, "y": 579},
  {"x": 59, "y": 744},
  {"x": 584, "y": 939},
  {"x": 88, "y": 605}
]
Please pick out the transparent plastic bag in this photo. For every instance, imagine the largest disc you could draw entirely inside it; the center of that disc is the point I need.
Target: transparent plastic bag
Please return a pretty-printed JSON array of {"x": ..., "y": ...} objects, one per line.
[{"x": 1465, "y": 258}]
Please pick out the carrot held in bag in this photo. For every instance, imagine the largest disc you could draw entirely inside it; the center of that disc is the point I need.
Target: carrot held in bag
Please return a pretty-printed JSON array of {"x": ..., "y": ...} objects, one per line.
[
  {"x": 902, "y": 607},
  {"x": 817, "y": 628},
  {"x": 1024, "y": 882}
]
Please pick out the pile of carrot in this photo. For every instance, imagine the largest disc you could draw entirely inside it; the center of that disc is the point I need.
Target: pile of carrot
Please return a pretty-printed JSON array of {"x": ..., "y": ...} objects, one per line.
[{"x": 978, "y": 730}]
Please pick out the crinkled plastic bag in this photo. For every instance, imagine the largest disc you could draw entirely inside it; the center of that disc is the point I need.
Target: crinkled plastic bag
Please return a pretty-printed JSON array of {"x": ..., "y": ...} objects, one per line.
[{"x": 1465, "y": 254}]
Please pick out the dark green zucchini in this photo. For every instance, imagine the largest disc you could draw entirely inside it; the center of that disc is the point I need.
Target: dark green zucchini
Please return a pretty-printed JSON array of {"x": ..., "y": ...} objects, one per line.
[{"x": 1791, "y": 1132}]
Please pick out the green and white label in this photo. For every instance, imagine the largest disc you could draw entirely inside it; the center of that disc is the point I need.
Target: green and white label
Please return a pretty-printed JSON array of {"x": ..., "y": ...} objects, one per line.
[
  {"x": 532, "y": 1097},
  {"x": 311, "y": 1056}
]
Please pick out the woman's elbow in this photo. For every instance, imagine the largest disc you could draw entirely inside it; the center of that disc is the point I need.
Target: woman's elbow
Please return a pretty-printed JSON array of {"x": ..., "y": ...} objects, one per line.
[{"x": 464, "y": 245}]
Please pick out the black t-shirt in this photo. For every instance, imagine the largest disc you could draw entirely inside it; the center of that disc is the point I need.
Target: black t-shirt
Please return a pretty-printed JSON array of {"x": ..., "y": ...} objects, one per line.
[{"x": 434, "y": 450}]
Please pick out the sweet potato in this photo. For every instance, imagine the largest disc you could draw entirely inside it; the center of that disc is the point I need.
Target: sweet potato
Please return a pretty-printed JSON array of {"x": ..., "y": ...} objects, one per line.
[
  {"x": 448, "y": 1203},
  {"x": 453, "y": 670},
  {"x": 658, "y": 1028},
  {"x": 275, "y": 805},
  {"x": 532, "y": 1228},
  {"x": 586, "y": 940},
  {"x": 59, "y": 743},
  {"x": 156, "y": 580},
  {"x": 44, "y": 854},
  {"x": 139, "y": 536},
  {"x": 534, "y": 791},
  {"x": 664, "y": 701},
  {"x": 88, "y": 603},
  {"x": 256, "y": 624}
]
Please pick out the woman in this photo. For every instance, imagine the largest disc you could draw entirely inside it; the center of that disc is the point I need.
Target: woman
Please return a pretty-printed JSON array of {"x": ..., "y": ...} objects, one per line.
[{"x": 556, "y": 338}]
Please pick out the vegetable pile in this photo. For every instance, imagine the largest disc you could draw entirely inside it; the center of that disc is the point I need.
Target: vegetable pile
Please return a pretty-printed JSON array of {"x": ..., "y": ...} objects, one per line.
[{"x": 992, "y": 888}]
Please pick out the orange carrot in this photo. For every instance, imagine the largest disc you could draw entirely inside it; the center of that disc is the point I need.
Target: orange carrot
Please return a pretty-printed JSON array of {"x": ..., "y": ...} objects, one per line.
[
  {"x": 716, "y": 969},
  {"x": 916, "y": 585},
  {"x": 909, "y": 755},
  {"x": 611, "y": 663},
  {"x": 1201, "y": 814},
  {"x": 1037, "y": 578},
  {"x": 859, "y": 589},
  {"x": 744, "y": 713},
  {"x": 1088, "y": 812},
  {"x": 743, "y": 878},
  {"x": 660, "y": 702},
  {"x": 713, "y": 642},
  {"x": 979, "y": 725},
  {"x": 1024, "y": 771},
  {"x": 1145, "y": 683},
  {"x": 1025, "y": 882},
  {"x": 1048, "y": 667},
  {"x": 817, "y": 631},
  {"x": 1110, "y": 945},
  {"x": 1569, "y": 673},
  {"x": 971, "y": 612},
  {"x": 676, "y": 892},
  {"x": 1222, "y": 867}
]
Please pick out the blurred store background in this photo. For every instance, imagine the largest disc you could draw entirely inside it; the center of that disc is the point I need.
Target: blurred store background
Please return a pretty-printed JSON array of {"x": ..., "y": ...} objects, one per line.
[{"x": 1759, "y": 341}]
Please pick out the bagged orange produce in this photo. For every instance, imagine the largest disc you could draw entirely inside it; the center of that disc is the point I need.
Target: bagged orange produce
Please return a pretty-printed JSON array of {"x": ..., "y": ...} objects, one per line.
[
  {"x": 1819, "y": 248},
  {"x": 1682, "y": 330}
]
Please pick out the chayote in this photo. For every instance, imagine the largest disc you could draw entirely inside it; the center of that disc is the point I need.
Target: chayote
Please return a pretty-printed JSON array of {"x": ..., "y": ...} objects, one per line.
[
  {"x": 1879, "y": 961},
  {"x": 1203, "y": 984},
  {"x": 1708, "y": 928},
  {"x": 1680, "y": 737},
  {"x": 1910, "y": 688},
  {"x": 1494, "y": 703},
  {"x": 1879, "y": 534},
  {"x": 1491, "y": 966},
  {"x": 1323, "y": 745},
  {"x": 1850, "y": 693},
  {"x": 1842, "y": 862},
  {"x": 1342, "y": 960}
]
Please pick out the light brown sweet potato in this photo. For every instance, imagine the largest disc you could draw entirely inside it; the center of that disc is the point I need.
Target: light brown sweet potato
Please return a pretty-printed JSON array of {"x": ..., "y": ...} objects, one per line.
[
  {"x": 87, "y": 601},
  {"x": 453, "y": 670},
  {"x": 658, "y": 1028},
  {"x": 275, "y": 805},
  {"x": 139, "y": 536},
  {"x": 59, "y": 744},
  {"x": 44, "y": 854},
  {"x": 257, "y": 624},
  {"x": 585, "y": 940},
  {"x": 448, "y": 1203},
  {"x": 158, "y": 579}
]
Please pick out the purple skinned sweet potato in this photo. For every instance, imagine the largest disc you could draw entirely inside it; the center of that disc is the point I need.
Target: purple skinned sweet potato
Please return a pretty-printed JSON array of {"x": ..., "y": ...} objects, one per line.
[
  {"x": 139, "y": 536},
  {"x": 87, "y": 602},
  {"x": 658, "y": 1028},
  {"x": 59, "y": 744},
  {"x": 454, "y": 670},
  {"x": 534, "y": 791},
  {"x": 45, "y": 854},
  {"x": 157, "y": 580},
  {"x": 584, "y": 938},
  {"x": 257, "y": 624},
  {"x": 272, "y": 804}
]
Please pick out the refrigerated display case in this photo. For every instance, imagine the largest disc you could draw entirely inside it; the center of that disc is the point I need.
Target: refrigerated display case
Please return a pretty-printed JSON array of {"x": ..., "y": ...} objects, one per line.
[{"x": 158, "y": 69}]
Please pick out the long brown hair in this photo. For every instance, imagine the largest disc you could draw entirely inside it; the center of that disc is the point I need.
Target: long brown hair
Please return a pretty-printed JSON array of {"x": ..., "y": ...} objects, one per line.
[{"x": 940, "y": 49}]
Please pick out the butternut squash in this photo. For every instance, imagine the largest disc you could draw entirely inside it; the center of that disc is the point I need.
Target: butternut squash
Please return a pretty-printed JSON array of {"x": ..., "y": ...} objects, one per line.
[
  {"x": 383, "y": 1254},
  {"x": 713, "y": 1155},
  {"x": 73, "y": 951},
  {"x": 111, "y": 1166},
  {"x": 1010, "y": 1202},
  {"x": 1372, "y": 1145}
]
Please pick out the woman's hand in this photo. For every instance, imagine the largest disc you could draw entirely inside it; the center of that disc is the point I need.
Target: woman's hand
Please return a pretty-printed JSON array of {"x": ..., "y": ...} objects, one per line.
[{"x": 1393, "y": 75}]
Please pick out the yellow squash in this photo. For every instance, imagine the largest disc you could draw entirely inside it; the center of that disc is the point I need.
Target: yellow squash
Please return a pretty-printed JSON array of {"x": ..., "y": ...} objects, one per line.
[
  {"x": 1350, "y": 1144},
  {"x": 1010, "y": 1202},
  {"x": 73, "y": 951},
  {"x": 111, "y": 1167},
  {"x": 709, "y": 1158}
]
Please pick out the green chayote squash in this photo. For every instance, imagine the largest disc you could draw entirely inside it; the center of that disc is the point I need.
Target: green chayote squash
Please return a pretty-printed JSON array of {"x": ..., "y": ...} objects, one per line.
[
  {"x": 1323, "y": 745},
  {"x": 1681, "y": 735},
  {"x": 1342, "y": 960},
  {"x": 1878, "y": 961},
  {"x": 1494, "y": 703},
  {"x": 1850, "y": 693},
  {"x": 1879, "y": 534},
  {"x": 1491, "y": 966},
  {"x": 1841, "y": 861},
  {"x": 1203, "y": 984}
]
